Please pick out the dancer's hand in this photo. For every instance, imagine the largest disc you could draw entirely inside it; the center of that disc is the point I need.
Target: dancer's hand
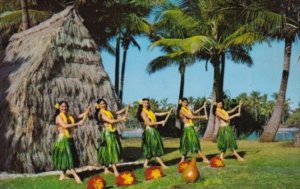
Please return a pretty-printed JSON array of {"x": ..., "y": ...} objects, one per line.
[
  {"x": 80, "y": 123},
  {"x": 162, "y": 122}
]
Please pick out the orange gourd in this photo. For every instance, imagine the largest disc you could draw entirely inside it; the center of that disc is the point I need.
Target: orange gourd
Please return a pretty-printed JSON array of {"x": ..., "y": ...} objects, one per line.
[{"x": 191, "y": 172}]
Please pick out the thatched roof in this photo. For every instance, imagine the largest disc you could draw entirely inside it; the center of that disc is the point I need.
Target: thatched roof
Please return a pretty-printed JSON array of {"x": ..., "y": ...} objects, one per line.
[{"x": 55, "y": 60}]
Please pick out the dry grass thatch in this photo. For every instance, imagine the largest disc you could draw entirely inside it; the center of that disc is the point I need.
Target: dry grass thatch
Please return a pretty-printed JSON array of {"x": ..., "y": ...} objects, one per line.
[{"x": 54, "y": 60}]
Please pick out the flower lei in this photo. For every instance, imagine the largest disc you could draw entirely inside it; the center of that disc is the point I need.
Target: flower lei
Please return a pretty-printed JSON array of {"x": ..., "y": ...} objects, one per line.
[
  {"x": 108, "y": 114},
  {"x": 186, "y": 110},
  {"x": 223, "y": 112},
  {"x": 150, "y": 114},
  {"x": 65, "y": 119}
]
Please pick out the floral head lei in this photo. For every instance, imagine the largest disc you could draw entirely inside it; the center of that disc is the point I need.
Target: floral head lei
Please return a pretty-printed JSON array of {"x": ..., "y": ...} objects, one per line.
[
  {"x": 180, "y": 101},
  {"x": 97, "y": 106},
  {"x": 57, "y": 105},
  {"x": 141, "y": 102}
]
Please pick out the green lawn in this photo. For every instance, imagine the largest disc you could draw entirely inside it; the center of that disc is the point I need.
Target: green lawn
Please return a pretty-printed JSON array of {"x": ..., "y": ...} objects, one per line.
[{"x": 267, "y": 165}]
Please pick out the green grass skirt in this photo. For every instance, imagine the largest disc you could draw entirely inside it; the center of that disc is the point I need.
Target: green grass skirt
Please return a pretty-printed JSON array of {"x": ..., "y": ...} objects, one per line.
[
  {"x": 226, "y": 139},
  {"x": 189, "y": 141},
  {"x": 110, "y": 149},
  {"x": 64, "y": 154},
  {"x": 152, "y": 144}
]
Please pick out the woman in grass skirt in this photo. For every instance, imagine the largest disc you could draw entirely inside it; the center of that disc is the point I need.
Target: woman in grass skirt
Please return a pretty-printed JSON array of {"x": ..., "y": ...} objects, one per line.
[
  {"x": 189, "y": 140},
  {"x": 110, "y": 149},
  {"x": 225, "y": 138},
  {"x": 64, "y": 156},
  {"x": 152, "y": 144}
]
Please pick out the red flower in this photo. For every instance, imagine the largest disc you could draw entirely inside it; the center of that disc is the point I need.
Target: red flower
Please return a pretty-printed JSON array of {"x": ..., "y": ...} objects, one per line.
[
  {"x": 216, "y": 162},
  {"x": 153, "y": 173},
  {"x": 182, "y": 166},
  {"x": 96, "y": 182},
  {"x": 125, "y": 179}
]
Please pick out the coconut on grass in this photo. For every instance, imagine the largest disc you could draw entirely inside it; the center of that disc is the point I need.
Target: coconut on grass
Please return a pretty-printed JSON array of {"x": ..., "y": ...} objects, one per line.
[{"x": 55, "y": 60}]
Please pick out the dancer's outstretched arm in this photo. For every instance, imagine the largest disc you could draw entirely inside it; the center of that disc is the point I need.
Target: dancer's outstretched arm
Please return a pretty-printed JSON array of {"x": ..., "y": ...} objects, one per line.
[
  {"x": 200, "y": 109},
  {"x": 60, "y": 122},
  {"x": 112, "y": 121},
  {"x": 148, "y": 122}
]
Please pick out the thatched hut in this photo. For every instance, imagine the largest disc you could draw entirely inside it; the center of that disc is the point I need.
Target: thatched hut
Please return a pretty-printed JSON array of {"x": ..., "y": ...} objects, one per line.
[{"x": 55, "y": 60}]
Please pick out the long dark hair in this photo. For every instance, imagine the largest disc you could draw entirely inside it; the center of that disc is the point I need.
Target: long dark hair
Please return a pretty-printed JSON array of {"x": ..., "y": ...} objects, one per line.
[
  {"x": 57, "y": 111},
  {"x": 140, "y": 109},
  {"x": 96, "y": 114},
  {"x": 215, "y": 106},
  {"x": 180, "y": 105}
]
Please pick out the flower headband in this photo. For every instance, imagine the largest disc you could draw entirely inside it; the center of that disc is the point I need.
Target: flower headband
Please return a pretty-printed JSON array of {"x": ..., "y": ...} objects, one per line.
[
  {"x": 141, "y": 102},
  {"x": 97, "y": 106},
  {"x": 57, "y": 105}
]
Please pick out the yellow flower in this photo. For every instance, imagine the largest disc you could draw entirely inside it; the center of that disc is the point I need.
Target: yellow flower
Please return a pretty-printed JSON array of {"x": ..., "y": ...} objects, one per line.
[
  {"x": 219, "y": 163},
  {"x": 156, "y": 174},
  {"x": 98, "y": 184},
  {"x": 128, "y": 179},
  {"x": 56, "y": 105},
  {"x": 97, "y": 106}
]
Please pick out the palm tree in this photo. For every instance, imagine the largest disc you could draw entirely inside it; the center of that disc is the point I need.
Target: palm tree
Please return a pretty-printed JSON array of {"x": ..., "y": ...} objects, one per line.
[
  {"x": 136, "y": 25},
  {"x": 166, "y": 26},
  {"x": 289, "y": 33}
]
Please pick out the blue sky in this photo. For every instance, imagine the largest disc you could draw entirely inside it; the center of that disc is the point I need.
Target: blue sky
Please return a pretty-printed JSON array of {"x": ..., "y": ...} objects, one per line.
[{"x": 264, "y": 76}]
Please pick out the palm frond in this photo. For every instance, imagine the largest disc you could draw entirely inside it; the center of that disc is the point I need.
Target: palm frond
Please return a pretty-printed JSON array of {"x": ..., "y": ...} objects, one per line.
[
  {"x": 175, "y": 19},
  {"x": 190, "y": 45},
  {"x": 10, "y": 19},
  {"x": 163, "y": 62},
  {"x": 241, "y": 55},
  {"x": 14, "y": 18}
]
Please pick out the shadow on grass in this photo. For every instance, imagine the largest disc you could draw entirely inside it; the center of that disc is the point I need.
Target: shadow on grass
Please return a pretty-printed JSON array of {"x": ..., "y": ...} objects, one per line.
[
  {"x": 231, "y": 156},
  {"x": 135, "y": 153}
]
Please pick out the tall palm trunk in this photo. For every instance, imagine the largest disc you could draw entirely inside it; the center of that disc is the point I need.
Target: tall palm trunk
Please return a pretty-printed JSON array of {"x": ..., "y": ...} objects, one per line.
[
  {"x": 182, "y": 78},
  {"x": 274, "y": 122},
  {"x": 117, "y": 68},
  {"x": 25, "y": 15},
  {"x": 123, "y": 73},
  {"x": 222, "y": 73},
  {"x": 217, "y": 95}
]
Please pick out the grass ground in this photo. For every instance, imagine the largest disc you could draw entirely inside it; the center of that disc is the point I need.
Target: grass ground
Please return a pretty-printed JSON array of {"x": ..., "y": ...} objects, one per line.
[{"x": 267, "y": 165}]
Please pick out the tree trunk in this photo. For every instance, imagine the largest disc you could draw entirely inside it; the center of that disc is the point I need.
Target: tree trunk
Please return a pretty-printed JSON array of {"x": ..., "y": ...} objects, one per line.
[
  {"x": 25, "y": 15},
  {"x": 182, "y": 77},
  {"x": 222, "y": 73},
  {"x": 123, "y": 74},
  {"x": 209, "y": 132},
  {"x": 217, "y": 95},
  {"x": 297, "y": 140},
  {"x": 117, "y": 68},
  {"x": 274, "y": 122}
]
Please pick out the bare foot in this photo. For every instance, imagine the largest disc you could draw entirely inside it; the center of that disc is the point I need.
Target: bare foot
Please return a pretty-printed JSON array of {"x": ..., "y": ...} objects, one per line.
[
  {"x": 241, "y": 159},
  {"x": 107, "y": 171},
  {"x": 63, "y": 177},
  {"x": 164, "y": 167},
  {"x": 146, "y": 166},
  {"x": 206, "y": 161},
  {"x": 116, "y": 174},
  {"x": 78, "y": 180}
]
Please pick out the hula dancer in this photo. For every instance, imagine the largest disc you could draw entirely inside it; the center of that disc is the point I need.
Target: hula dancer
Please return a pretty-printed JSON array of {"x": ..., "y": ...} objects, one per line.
[
  {"x": 225, "y": 138},
  {"x": 64, "y": 152},
  {"x": 152, "y": 144},
  {"x": 189, "y": 140},
  {"x": 110, "y": 149}
]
